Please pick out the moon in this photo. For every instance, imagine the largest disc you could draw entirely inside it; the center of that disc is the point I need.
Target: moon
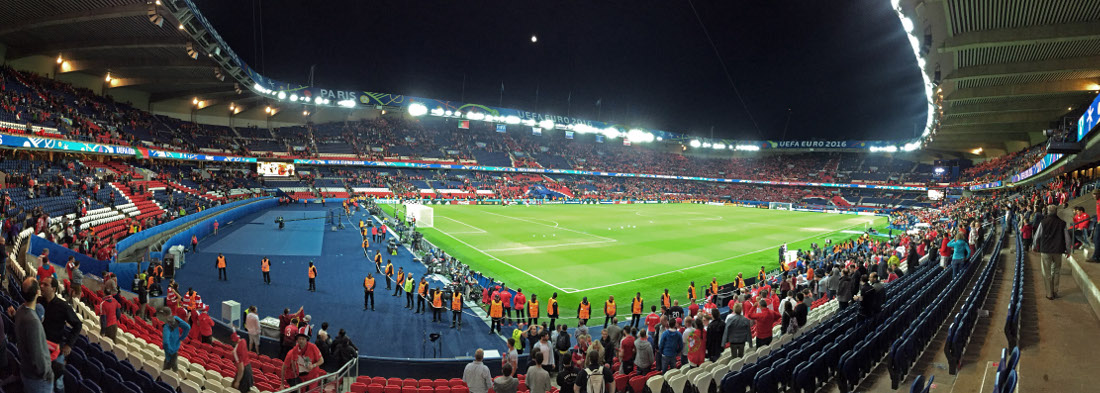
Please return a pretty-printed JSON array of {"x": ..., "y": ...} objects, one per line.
[{"x": 534, "y": 38}]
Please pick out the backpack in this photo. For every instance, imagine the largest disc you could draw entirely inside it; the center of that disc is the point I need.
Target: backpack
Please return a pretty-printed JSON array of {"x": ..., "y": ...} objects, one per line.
[
  {"x": 595, "y": 380},
  {"x": 563, "y": 342}
]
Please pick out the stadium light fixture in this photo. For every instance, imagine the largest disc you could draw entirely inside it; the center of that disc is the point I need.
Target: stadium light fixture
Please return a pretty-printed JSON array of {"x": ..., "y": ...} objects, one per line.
[
  {"x": 346, "y": 103},
  {"x": 305, "y": 113},
  {"x": 417, "y": 109},
  {"x": 195, "y": 101},
  {"x": 475, "y": 115},
  {"x": 107, "y": 78},
  {"x": 181, "y": 26},
  {"x": 447, "y": 113},
  {"x": 977, "y": 151},
  {"x": 281, "y": 95},
  {"x": 60, "y": 59},
  {"x": 534, "y": 38},
  {"x": 293, "y": 97},
  {"x": 695, "y": 143},
  {"x": 706, "y": 145},
  {"x": 907, "y": 24},
  {"x": 610, "y": 133},
  {"x": 660, "y": 139},
  {"x": 66, "y": 66},
  {"x": 719, "y": 146},
  {"x": 267, "y": 110},
  {"x": 512, "y": 119}
]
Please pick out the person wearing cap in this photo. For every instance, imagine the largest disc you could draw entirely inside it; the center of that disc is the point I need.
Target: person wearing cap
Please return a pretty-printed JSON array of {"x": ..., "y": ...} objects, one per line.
[
  {"x": 303, "y": 361},
  {"x": 242, "y": 380},
  {"x": 175, "y": 329}
]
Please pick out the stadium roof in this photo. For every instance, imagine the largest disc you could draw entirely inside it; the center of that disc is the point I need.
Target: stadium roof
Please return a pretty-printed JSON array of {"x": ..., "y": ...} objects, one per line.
[
  {"x": 1008, "y": 70},
  {"x": 120, "y": 37}
]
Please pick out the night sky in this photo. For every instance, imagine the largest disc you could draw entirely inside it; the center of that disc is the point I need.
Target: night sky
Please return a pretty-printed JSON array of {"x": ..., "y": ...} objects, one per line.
[{"x": 841, "y": 69}]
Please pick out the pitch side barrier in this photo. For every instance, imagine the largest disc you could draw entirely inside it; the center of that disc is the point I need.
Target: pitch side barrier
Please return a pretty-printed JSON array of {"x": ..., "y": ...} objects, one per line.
[{"x": 139, "y": 237}]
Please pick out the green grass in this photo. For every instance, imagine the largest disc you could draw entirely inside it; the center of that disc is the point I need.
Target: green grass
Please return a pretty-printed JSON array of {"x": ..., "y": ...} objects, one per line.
[{"x": 601, "y": 250}]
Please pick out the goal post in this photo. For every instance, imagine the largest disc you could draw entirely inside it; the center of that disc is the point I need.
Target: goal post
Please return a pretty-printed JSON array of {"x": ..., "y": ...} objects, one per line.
[
  {"x": 424, "y": 215},
  {"x": 780, "y": 206}
]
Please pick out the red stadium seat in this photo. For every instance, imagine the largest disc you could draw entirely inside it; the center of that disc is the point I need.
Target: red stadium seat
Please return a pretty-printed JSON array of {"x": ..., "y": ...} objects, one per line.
[
  {"x": 439, "y": 383},
  {"x": 375, "y": 388},
  {"x": 409, "y": 382},
  {"x": 459, "y": 389},
  {"x": 394, "y": 382},
  {"x": 637, "y": 384},
  {"x": 425, "y": 383},
  {"x": 393, "y": 388},
  {"x": 426, "y": 389},
  {"x": 358, "y": 387},
  {"x": 409, "y": 389},
  {"x": 378, "y": 381},
  {"x": 621, "y": 382},
  {"x": 457, "y": 382},
  {"x": 443, "y": 389}
]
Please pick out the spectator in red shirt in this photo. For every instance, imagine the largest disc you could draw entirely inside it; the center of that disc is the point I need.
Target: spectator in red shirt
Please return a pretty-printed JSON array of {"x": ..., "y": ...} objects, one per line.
[
  {"x": 109, "y": 312},
  {"x": 242, "y": 381},
  {"x": 519, "y": 303},
  {"x": 506, "y": 300},
  {"x": 765, "y": 320},
  {"x": 626, "y": 350},
  {"x": 205, "y": 326},
  {"x": 303, "y": 362},
  {"x": 693, "y": 309},
  {"x": 45, "y": 269}
]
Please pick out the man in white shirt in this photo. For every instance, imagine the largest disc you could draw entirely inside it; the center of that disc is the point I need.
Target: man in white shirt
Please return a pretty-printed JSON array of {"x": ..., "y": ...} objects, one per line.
[
  {"x": 547, "y": 350},
  {"x": 252, "y": 325},
  {"x": 476, "y": 375}
]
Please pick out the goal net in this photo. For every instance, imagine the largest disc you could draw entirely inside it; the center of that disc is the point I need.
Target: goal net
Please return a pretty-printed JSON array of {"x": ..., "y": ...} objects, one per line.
[
  {"x": 779, "y": 205},
  {"x": 424, "y": 215}
]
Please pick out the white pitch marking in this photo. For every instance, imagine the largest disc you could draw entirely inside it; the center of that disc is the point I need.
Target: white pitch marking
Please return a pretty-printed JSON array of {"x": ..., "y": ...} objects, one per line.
[
  {"x": 501, "y": 260},
  {"x": 558, "y": 227},
  {"x": 709, "y": 263},
  {"x": 479, "y": 230},
  {"x": 548, "y": 246}
]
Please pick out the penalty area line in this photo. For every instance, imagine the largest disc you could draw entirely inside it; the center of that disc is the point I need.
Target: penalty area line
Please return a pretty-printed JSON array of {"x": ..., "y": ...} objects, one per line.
[{"x": 501, "y": 260}]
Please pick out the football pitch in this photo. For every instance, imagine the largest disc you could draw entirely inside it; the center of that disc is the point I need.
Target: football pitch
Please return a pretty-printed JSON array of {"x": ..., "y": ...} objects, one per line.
[{"x": 601, "y": 250}]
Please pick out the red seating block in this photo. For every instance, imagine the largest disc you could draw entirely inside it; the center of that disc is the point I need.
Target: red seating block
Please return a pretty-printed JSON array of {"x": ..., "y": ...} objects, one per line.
[{"x": 358, "y": 387}]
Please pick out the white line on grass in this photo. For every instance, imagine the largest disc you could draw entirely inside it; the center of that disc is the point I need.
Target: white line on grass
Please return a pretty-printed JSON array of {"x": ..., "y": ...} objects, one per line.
[
  {"x": 500, "y": 260},
  {"x": 549, "y": 246},
  {"x": 711, "y": 262},
  {"x": 479, "y": 230},
  {"x": 557, "y": 227}
]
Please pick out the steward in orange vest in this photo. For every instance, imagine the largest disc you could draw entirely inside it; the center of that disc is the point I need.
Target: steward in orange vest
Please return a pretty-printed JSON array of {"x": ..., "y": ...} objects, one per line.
[
  {"x": 456, "y": 309},
  {"x": 437, "y": 305},
  {"x": 496, "y": 311},
  {"x": 636, "y": 306},
  {"x": 368, "y": 292},
  {"x": 312, "y": 277},
  {"x": 265, "y": 267},
  {"x": 584, "y": 311},
  {"x": 222, "y": 275},
  {"x": 609, "y": 311}
]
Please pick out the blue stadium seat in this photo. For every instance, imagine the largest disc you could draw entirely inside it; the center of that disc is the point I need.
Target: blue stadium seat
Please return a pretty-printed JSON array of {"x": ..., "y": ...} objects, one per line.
[{"x": 918, "y": 384}]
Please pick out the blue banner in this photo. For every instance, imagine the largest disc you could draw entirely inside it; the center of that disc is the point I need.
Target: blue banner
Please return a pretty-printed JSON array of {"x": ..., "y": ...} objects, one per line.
[
  {"x": 977, "y": 187},
  {"x": 1089, "y": 119},
  {"x": 30, "y": 142},
  {"x": 1039, "y": 166}
]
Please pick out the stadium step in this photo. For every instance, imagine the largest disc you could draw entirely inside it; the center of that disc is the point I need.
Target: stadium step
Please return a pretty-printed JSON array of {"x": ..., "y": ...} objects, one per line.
[{"x": 985, "y": 344}]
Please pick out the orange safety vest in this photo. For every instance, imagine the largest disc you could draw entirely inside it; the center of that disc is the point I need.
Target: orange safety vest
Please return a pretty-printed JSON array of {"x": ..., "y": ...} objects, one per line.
[
  {"x": 496, "y": 309},
  {"x": 389, "y": 270},
  {"x": 691, "y": 291},
  {"x": 401, "y": 276},
  {"x": 313, "y": 272},
  {"x": 378, "y": 259},
  {"x": 713, "y": 287},
  {"x": 609, "y": 308},
  {"x": 532, "y": 309},
  {"x": 158, "y": 271},
  {"x": 265, "y": 265},
  {"x": 149, "y": 282},
  {"x": 366, "y": 243},
  {"x": 456, "y": 302},
  {"x": 368, "y": 284},
  {"x": 762, "y": 276},
  {"x": 550, "y": 305},
  {"x": 585, "y": 311},
  {"x": 423, "y": 288},
  {"x": 636, "y": 305},
  {"x": 437, "y": 300},
  {"x": 740, "y": 283},
  {"x": 666, "y": 300},
  {"x": 191, "y": 301},
  {"x": 810, "y": 274},
  {"x": 221, "y": 261}
]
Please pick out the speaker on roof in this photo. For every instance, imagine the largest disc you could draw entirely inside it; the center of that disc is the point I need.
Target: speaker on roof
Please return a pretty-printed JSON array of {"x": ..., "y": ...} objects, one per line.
[{"x": 191, "y": 52}]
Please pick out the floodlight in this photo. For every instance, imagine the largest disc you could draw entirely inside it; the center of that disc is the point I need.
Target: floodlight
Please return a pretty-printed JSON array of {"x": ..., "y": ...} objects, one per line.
[
  {"x": 417, "y": 109},
  {"x": 282, "y": 95},
  {"x": 695, "y": 143},
  {"x": 475, "y": 115},
  {"x": 512, "y": 119}
]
